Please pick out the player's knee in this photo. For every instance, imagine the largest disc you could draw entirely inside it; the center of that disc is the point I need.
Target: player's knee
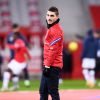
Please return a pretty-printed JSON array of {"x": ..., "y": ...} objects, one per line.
[
  {"x": 92, "y": 72},
  {"x": 85, "y": 71},
  {"x": 7, "y": 75}
]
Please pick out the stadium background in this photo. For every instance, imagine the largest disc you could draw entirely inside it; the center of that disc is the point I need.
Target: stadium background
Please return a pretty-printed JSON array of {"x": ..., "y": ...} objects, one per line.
[{"x": 77, "y": 17}]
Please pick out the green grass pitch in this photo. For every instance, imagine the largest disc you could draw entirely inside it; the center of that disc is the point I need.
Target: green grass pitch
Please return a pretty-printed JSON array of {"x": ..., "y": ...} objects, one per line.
[{"x": 67, "y": 84}]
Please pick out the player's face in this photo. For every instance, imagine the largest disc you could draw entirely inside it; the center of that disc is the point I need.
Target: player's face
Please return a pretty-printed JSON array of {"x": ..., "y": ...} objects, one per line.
[
  {"x": 16, "y": 29},
  {"x": 51, "y": 17}
]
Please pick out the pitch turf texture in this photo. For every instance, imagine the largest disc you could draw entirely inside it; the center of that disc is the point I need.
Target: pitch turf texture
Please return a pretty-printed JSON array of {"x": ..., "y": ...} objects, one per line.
[{"x": 67, "y": 84}]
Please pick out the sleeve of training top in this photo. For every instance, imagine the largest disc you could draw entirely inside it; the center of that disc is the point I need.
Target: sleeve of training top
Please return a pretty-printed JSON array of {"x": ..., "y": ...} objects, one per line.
[
  {"x": 27, "y": 53},
  {"x": 53, "y": 48},
  {"x": 12, "y": 46}
]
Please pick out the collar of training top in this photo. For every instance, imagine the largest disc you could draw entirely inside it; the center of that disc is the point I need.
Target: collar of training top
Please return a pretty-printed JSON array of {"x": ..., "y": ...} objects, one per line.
[{"x": 50, "y": 25}]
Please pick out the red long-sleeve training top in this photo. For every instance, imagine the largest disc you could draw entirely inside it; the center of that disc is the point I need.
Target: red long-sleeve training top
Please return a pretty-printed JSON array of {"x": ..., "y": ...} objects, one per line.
[{"x": 53, "y": 47}]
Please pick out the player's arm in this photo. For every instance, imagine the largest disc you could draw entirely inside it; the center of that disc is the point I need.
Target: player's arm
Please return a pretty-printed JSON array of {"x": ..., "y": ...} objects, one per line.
[
  {"x": 11, "y": 46},
  {"x": 27, "y": 55},
  {"x": 53, "y": 49}
]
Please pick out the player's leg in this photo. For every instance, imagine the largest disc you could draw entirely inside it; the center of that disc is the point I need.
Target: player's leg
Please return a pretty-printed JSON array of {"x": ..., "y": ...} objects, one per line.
[
  {"x": 15, "y": 80},
  {"x": 92, "y": 72},
  {"x": 86, "y": 63},
  {"x": 92, "y": 81},
  {"x": 6, "y": 77},
  {"x": 43, "y": 89},
  {"x": 86, "y": 74},
  {"x": 53, "y": 82},
  {"x": 16, "y": 70},
  {"x": 92, "y": 75},
  {"x": 26, "y": 77}
]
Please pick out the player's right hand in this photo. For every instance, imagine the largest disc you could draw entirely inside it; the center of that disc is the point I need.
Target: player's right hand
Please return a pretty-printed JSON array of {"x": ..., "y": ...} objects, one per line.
[{"x": 46, "y": 71}]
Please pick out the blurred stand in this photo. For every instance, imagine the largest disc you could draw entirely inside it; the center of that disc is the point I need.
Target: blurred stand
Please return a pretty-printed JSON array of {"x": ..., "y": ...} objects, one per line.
[{"x": 67, "y": 64}]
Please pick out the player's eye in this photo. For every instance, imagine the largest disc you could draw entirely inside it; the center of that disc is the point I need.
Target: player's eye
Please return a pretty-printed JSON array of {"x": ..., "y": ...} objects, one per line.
[{"x": 51, "y": 15}]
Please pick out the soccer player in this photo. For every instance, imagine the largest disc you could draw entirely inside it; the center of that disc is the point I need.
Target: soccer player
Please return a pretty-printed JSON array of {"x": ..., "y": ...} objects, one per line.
[
  {"x": 53, "y": 47},
  {"x": 10, "y": 40},
  {"x": 16, "y": 65},
  {"x": 89, "y": 58}
]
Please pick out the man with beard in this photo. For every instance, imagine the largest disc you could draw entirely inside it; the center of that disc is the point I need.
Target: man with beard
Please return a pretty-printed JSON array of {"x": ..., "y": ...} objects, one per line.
[{"x": 53, "y": 47}]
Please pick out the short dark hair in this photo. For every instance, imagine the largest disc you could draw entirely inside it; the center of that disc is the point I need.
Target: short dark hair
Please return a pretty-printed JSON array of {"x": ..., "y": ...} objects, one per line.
[
  {"x": 54, "y": 9},
  {"x": 15, "y": 26}
]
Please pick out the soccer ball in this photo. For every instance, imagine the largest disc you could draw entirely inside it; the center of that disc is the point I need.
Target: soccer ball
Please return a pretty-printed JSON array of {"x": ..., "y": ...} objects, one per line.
[
  {"x": 73, "y": 46},
  {"x": 27, "y": 83}
]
